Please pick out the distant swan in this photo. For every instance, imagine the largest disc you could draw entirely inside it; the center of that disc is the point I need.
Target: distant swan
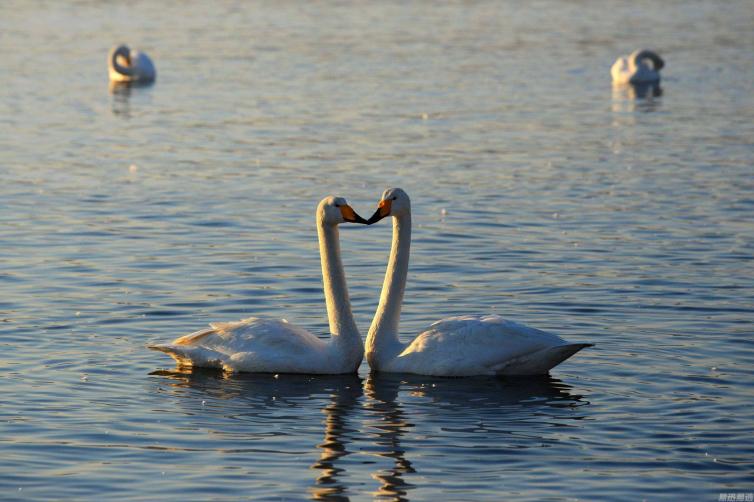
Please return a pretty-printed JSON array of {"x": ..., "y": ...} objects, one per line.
[
  {"x": 131, "y": 66},
  {"x": 456, "y": 346},
  {"x": 277, "y": 346},
  {"x": 636, "y": 68}
]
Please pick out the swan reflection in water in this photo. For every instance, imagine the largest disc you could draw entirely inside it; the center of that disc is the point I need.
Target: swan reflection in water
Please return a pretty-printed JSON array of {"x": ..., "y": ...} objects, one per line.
[
  {"x": 334, "y": 446},
  {"x": 405, "y": 406},
  {"x": 123, "y": 92},
  {"x": 407, "y": 419},
  {"x": 628, "y": 98},
  {"x": 255, "y": 394},
  {"x": 389, "y": 425}
]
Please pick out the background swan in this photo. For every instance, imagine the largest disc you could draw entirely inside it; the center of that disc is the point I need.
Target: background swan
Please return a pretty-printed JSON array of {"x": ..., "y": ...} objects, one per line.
[
  {"x": 456, "y": 346},
  {"x": 126, "y": 65},
  {"x": 277, "y": 346},
  {"x": 640, "y": 67}
]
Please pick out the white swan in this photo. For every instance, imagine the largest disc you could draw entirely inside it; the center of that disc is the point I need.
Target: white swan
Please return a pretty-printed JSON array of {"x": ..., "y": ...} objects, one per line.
[
  {"x": 277, "y": 346},
  {"x": 456, "y": 346},
  {"x": 635, "y": 69},
  {"x": 130, "y": 66}
]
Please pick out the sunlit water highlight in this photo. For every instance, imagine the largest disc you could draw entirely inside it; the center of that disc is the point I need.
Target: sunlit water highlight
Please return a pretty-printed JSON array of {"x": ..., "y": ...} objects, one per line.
[{"x": 133, "y": 217}]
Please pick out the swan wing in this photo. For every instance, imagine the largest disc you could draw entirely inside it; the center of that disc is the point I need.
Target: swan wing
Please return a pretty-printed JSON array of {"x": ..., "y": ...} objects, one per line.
[
  {"x": 478, "y": 345},
  {"x": 252, "y": 344},
  {"x": 143, "y": 66}
]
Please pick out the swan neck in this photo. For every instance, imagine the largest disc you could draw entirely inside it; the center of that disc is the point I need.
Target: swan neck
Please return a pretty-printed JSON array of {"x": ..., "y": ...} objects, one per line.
[
  {"x": 638, "y": 56},
  {"x": 342, "y": 324},
  {"x": 382, "y": 340},
  {"x": 123, "y": 70}
]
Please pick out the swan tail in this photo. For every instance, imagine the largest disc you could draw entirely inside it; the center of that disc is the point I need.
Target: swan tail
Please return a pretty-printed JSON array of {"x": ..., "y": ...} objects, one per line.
[
  {"x": 190, "y": 356},
  {"x": 539, "y": 362}
]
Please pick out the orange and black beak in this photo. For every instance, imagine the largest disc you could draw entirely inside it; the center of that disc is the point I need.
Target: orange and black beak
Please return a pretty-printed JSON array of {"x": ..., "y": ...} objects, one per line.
[
  {"x": 383, "y": 209},
  {"x": 350, "y": 215}
]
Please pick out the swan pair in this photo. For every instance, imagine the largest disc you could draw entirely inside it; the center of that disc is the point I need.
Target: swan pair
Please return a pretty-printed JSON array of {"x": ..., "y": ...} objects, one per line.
[
  {"x": 635, "y": 68},
  {"x": 456, "y": 346},
  {"x": 130, "y": 66}
]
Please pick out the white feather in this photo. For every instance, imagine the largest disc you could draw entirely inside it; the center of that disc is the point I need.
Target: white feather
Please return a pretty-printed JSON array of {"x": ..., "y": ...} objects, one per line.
[
  {"x": 277, "y": 346},
  {"x": 457, "y": 346},
  {"x": 640, "y": 67},
  {"x": 130, "y": 66}
]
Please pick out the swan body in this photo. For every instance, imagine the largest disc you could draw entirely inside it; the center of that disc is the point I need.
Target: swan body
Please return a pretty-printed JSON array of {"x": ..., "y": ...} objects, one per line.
[
  {"x": 640, "y": 67},
  {"x": 259, "y": 346},
  {"x": 457, "y": 346},
  {"x": 277, "y": 346},
  {"x": 481, "y": 345},
  {"x": 130, "y": 66}
]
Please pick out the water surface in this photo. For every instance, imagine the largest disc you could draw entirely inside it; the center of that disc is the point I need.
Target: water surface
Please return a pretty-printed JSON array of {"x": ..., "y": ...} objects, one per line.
[{"x": 538, "y": 193}]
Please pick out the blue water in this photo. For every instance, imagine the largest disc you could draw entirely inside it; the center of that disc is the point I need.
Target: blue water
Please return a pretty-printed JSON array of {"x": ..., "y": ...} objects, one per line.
[{"x": 130, "y": 218}]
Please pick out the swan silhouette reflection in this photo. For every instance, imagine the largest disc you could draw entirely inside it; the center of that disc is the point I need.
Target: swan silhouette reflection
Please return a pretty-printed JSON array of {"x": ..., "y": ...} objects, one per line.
[
  {"x": 253, "y": 396},
  {"x": 121, "y": 96},
  {"x": 387, "y": 425},
  {"x": 511, "y": 412},
  {"x": 334, "y": 446},
  {"x": 384, "y": 426},
  {"x": 636, "y": 97}
]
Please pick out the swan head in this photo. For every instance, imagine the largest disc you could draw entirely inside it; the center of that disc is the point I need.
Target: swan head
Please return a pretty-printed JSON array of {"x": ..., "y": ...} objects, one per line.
[
  {"x": 394, "y": 202},
  {"x": 335, "y": 210}
]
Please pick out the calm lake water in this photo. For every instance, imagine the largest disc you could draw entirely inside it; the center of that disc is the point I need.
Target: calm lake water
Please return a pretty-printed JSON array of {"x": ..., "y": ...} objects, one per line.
[{"x": 538, "y": 194}]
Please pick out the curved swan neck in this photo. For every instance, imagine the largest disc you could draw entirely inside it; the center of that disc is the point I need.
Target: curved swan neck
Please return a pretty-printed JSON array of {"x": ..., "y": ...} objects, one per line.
[
  {"x": 121, "y": 51},
  {"x": 639, "y": 55},
  {"x": 342, "y": 324},
  {"x": 382, "y": 340}
]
